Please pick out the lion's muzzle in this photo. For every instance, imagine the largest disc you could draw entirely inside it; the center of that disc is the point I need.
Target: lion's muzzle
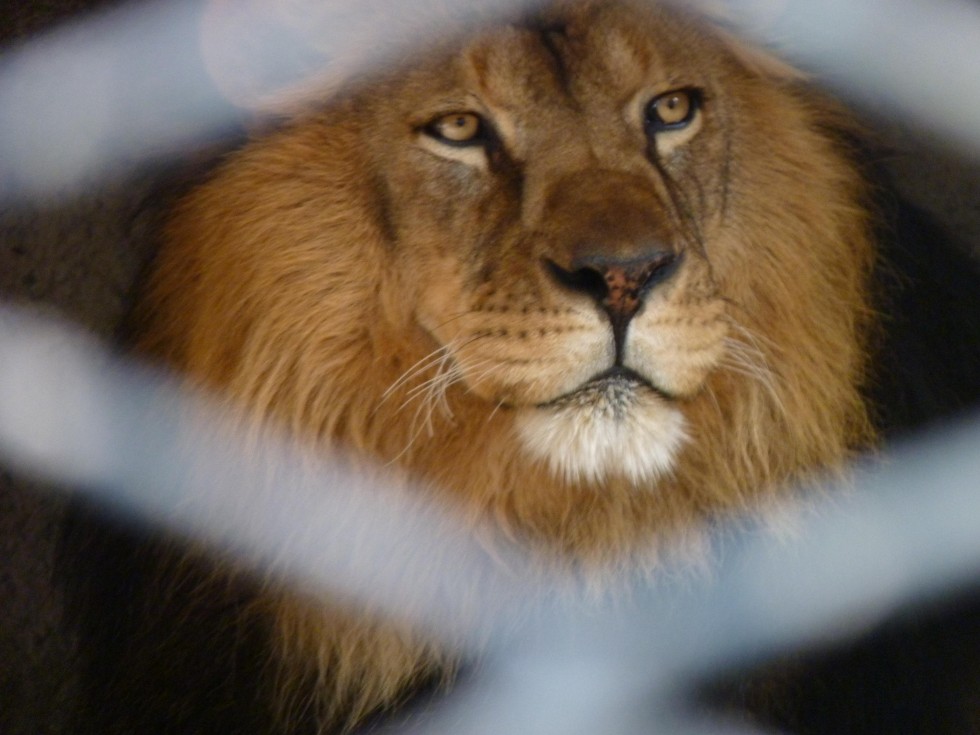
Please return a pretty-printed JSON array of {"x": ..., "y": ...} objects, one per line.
[{"x": 619, "y": 286}]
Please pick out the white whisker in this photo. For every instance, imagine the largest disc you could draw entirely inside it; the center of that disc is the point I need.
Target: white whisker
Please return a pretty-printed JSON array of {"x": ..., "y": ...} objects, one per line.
[
  {"x": 431, "y": 395},
  {"x": 421, "y": 366},
  {"x": 744, "y": 356},
  {"x": 500, "y": 404}
]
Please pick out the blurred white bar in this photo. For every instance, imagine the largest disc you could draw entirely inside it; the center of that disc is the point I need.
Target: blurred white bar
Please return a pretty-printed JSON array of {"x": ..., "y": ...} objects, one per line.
[
  {"x": 919, "y": 57},
  {"x": 125, "y": 436},
  {"x": 70, "y": 411},
  {"x": 908, "y": 532},
  {"x": 141, "y": 82},
  {"x": 108, "y": 91}
]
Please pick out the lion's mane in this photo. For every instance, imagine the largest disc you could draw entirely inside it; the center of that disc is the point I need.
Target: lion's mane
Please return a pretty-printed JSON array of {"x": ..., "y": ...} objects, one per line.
[{"x": 297, "y": 278}]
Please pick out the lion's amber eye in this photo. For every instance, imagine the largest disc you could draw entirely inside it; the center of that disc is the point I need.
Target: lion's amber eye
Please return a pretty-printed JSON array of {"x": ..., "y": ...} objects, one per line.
[
  {"x": 457, "y": 128},
  {"x": 673, "y": 110}
]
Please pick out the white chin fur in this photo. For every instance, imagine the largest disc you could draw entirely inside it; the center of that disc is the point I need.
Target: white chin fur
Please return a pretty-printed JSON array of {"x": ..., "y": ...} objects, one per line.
[{"x": 608, "y": 432}]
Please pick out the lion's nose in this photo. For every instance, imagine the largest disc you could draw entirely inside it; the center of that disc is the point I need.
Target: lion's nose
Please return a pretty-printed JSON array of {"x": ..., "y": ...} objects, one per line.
[{"x": 618, "y": 285}]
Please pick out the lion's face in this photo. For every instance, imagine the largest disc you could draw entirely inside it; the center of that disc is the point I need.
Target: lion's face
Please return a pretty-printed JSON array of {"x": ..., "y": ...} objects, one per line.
[
  {"x": 555, "y": 193},
  {"x": 603, "y": 251}
]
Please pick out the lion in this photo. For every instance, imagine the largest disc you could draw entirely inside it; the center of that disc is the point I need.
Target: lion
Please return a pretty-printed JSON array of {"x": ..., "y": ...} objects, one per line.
[{"x": 596, "y": 276}]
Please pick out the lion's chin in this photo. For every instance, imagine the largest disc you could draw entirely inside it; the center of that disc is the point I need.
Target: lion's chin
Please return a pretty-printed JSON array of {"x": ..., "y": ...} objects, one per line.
[{"x": 609, "y": 428}]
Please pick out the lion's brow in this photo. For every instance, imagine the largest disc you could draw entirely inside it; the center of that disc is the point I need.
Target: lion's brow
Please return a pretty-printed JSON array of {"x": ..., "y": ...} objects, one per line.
[{"x": 549, "y": 32}]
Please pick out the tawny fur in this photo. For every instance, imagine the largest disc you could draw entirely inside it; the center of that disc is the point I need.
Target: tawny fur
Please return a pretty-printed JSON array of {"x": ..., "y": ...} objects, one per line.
[{"x": 340, "y": 278}]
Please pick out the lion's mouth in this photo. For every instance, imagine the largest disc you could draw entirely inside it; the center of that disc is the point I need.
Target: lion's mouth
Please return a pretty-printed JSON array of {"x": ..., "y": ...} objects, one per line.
[
  {"x": 615, "y": 424},
  {"x": 614, "y": 391}
]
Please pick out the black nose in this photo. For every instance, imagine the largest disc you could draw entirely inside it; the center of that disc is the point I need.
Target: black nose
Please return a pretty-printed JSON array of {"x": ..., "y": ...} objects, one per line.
[{"x": 618, "y": 285}]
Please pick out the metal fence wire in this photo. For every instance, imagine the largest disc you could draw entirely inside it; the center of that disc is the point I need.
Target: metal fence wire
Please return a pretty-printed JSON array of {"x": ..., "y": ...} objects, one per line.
[{"x": 73, "y": 412}]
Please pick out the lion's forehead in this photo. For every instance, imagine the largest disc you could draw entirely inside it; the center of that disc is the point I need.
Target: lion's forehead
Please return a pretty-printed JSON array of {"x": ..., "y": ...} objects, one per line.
[{"x": 567, "y": 60}]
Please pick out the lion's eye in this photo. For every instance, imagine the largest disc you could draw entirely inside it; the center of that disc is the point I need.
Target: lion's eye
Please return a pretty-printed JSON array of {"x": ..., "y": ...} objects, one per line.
[
  {"x": 673, "y": 110},
  {"x": 457, "y": 128}
]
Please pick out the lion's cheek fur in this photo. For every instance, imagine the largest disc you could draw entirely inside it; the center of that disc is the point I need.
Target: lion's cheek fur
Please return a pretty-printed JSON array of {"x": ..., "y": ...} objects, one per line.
[{"x": 810, "y": 393}]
